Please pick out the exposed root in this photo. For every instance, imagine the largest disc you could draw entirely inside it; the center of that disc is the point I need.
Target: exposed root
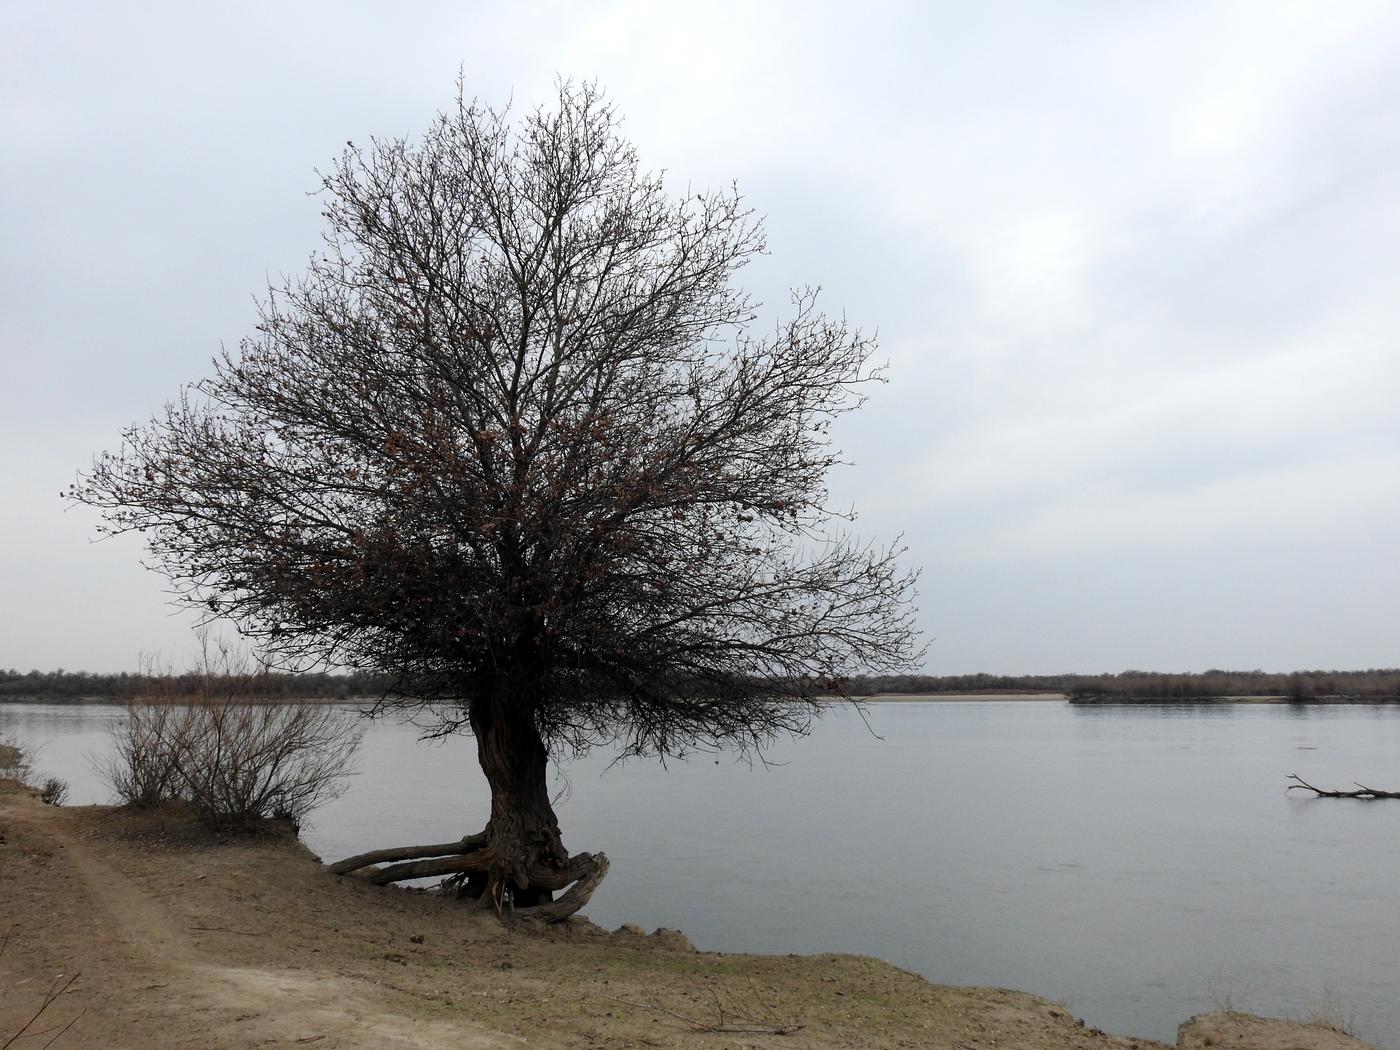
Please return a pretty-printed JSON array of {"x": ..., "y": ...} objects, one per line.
[
  {"x": 381, "y": 856},
  {"x": 476, "y": 873},
  {"x": 587, "y": 870},
  {"x": 423, "y": 869}
]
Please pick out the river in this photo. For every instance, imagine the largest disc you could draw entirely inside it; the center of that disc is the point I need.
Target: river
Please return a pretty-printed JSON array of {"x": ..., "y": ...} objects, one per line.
[{"x": 1140, "y": 864}]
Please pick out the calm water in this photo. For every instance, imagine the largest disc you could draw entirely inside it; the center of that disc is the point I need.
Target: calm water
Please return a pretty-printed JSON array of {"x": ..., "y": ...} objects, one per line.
[{"x": 1141, "y": 864}]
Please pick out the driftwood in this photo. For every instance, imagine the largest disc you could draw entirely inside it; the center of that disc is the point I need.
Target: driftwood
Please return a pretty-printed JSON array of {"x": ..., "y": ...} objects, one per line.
[
  {"x": 1362, "y": 790},
  {"x": 471, "y": 856}
]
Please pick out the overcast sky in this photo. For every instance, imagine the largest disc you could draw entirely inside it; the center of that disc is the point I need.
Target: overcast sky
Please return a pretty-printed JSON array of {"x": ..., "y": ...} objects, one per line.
[{"x": 1135, "y": 268}]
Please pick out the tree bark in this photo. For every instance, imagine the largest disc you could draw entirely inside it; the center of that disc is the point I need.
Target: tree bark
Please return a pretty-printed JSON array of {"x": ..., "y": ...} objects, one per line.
[{"x": 524, "y": 851}]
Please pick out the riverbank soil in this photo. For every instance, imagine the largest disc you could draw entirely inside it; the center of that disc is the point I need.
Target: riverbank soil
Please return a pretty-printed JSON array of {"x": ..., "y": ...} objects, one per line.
[{"x": 172, "y": 937}]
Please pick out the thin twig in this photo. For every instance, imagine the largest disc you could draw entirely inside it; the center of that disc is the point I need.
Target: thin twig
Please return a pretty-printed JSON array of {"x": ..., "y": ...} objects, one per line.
[
  {"x": 750, "y": 1028},
  {"x": 65, "y": 1028},
  {"x": 58, "y": 988}
]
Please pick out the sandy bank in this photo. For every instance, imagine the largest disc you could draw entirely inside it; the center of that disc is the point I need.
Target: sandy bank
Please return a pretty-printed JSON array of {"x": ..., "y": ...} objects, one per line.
[{"x": 185, "y": 940}]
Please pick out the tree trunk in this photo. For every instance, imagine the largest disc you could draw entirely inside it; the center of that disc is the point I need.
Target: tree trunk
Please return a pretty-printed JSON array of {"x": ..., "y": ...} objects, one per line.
[
  {"x": 524, "y": 851},
  {"x": 518, "y": 862}
]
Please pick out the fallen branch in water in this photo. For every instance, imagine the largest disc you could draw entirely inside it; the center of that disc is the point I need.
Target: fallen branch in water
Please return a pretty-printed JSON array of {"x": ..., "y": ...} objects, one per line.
[{"x": 1362, "y": 792}]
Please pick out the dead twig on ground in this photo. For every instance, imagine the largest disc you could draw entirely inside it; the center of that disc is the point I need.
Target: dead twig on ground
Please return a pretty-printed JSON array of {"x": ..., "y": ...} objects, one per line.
[
  {"x": 729, "y": 1020},
  {"x": 62, "y": 984}
]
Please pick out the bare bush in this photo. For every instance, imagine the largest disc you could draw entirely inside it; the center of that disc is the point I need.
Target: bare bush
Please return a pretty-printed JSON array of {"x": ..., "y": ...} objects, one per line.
[
  {"x": 12, "y": 759},
  {"x": 54, "y": 792},
  {"x": 232, "y": 759},
  {"x": 142, "y": 767},
  {"x": 17, "y": 763}
]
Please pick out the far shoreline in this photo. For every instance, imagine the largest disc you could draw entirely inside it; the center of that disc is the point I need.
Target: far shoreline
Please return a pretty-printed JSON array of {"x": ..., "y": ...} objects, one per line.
[
  {"x": 1000, "y": 696},
  {"x": 1125, "y": 701}
]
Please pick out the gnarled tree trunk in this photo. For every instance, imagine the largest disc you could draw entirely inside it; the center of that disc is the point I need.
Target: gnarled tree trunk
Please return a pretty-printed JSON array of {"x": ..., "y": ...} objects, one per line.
[
  {"x": 524, "y": 851},
  {"x": 518, "y": 862}
]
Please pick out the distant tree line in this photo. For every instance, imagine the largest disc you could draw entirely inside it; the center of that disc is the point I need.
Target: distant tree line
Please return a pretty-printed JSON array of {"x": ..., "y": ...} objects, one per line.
[
  {"x": 1372, "y": 684},
  {"x": 70, "y": 686}
]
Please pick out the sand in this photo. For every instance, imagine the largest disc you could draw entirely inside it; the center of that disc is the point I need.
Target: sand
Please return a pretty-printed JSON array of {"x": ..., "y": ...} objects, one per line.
[{"x": 181, "y": 939}]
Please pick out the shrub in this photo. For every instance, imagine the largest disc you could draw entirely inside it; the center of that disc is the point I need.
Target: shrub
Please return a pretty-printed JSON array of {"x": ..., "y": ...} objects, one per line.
[
  {"x": 233, "y": 762},
  {"x": 232, "y": 759},
  {"x": 142, "y": 768},
  {"x": 12, "y": 763},
  {"x": 54, "y": 792}
]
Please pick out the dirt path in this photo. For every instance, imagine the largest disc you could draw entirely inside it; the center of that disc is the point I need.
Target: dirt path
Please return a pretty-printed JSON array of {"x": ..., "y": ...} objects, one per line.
[
  {"x": 133, "y": 945},
  {"x": 188, "y": 941},
  {"x": 124, "y": 911}
]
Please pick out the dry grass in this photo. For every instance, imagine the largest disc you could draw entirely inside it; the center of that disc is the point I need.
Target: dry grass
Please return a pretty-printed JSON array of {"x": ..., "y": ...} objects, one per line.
[{"x": 1333, "y": 1011}]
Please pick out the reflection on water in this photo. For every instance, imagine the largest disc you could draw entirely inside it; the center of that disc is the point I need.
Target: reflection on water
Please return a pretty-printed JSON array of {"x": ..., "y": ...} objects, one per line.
[{"x": 1141, "y": 863}]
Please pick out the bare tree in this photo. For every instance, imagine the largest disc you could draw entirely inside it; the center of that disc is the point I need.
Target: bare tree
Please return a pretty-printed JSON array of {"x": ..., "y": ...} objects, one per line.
[{"x": 511, "y": 439}]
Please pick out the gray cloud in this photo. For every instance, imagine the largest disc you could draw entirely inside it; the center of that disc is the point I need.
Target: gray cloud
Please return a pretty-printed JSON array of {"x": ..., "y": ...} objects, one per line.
[{"x": 1132, "y": 266}]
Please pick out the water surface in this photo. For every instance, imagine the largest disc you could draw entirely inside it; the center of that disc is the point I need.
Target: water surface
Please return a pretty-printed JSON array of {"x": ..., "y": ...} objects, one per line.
[{"x": 1139, "y": 863}]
